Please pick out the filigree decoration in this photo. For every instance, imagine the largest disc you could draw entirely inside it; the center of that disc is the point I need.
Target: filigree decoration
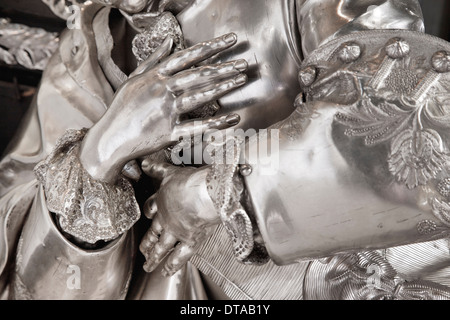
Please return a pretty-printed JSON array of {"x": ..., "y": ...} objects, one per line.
[
  {"x": 225, "y": 190},
  {"x": 404, "y": 105},
  {"x": 402, "y": 80},
  {"x": 441, "y": 210},
  {"x": 426, "y": 227},
  {"x": 417, "y": 154},
  {"x": 368, "y": 276},
  {"x": 443, "y": 188},
  {"x": 156, "y": 30},
  {"x": 441, "y": 207},
  {"x": 377, "y": 123},
  {"x": 87, "y": 209},
  {"x": 416, "y": 157},
  {"x": 437, "y": 110}
]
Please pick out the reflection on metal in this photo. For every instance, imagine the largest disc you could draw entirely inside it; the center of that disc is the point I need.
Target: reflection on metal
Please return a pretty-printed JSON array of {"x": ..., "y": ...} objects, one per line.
[
  {"x": 29, "y": 47},
  {"x": 361, "y": 166}
]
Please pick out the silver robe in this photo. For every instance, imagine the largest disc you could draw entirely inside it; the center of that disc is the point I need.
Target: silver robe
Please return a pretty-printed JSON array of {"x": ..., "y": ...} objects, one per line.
[{"x": 74, "y": 93}]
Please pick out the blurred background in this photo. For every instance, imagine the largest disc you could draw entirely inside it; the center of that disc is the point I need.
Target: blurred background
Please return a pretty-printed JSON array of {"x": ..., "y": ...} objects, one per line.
[{"x": 18, "y": 84}]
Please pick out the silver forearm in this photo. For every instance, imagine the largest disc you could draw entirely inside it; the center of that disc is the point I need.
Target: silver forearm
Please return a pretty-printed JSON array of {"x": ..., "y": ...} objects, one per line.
[
  {"x": 367, "y": 153},
  {"x": 322, "y": 20}
]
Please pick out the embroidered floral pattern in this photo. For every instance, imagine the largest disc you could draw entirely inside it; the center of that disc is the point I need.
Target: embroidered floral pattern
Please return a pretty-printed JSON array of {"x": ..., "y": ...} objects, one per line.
[{"x": 404, "y": 105}]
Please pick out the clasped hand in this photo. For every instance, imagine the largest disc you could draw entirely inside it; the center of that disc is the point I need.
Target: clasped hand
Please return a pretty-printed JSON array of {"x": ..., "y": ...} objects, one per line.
[{"x": 145, "y": 115}]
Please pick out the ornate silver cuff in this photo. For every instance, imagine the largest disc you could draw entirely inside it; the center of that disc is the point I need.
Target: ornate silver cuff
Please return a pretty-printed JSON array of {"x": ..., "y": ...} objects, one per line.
[
  {"x": 395, "y": 89},
  {"x": 225, "y": 190},
  {"x": 87, "y": 209}
]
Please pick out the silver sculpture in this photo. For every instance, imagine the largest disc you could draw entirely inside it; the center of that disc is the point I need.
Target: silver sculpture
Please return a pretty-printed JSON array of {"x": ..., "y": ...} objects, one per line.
[
  {"x": 26, "y": 46},
  {"x": 358, "y": 207}
]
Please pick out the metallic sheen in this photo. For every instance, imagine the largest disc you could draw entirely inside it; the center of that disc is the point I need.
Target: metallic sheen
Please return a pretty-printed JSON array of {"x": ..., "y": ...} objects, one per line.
[{"x": 356, "y": 96}]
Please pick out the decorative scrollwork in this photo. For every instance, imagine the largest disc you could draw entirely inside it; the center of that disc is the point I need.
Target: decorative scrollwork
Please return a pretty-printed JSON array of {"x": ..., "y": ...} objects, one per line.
[
  {"x": 417, "y": 156},
  {"x": 441, "y": 210},
  {"x": 225, "y": 189},
  {"x": 402, "y": 105},
  {"x": 87, "y": 209}
]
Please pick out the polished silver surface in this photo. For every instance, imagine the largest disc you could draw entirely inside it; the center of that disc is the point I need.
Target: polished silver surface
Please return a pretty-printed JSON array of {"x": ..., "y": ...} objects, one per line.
[
  {"x": 49, "y": 266},
  {"x": 15, "y": 207},
  {"x": 323, "y": 20},
  {"x": 26, "y": 46},
  {"x": 145, "y": 116},
  {"x": 351, "y": 166},
  {"x": 363, "y": 151},
  {"x": 267, "y": 39},
  {"x": 186, "y": 284},
  {"x": 372, "y": 276}
]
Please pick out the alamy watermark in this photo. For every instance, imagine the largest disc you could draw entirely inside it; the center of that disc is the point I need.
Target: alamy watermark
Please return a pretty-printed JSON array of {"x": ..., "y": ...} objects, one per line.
[
  {"x": 74, "y": 20},
  {"x": 74, "y": 280},
  {"x": 374, "y": 280},
  {"x": 259, "y": 148}
]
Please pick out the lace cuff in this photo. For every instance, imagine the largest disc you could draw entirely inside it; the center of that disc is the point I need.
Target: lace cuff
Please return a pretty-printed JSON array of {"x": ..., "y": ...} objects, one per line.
[
  {"x": 87, "y": 209},
  {"x": 226, "y": 189}
]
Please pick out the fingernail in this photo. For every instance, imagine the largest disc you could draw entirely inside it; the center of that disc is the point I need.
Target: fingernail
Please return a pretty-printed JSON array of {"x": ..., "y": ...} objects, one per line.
[
  {"x": 233, "y": 119},
  {"x": 241, "y": 65},
  {"x": 241, "y": 79},
  {"x": 230, "y": 38}
]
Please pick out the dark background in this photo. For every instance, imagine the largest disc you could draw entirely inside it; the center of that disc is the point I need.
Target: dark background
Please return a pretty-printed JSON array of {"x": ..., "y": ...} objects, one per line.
[{"x": 17, "y": 84}]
